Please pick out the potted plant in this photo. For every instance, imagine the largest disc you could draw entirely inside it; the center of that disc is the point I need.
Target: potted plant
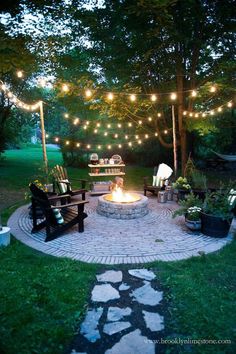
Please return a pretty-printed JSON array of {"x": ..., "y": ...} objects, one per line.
[
  {"x": 191, "y": 209},
  {"x": 182, "y": 186},
  {"x": 217, "y": 212},
  {"x": 199, "y": 184}
]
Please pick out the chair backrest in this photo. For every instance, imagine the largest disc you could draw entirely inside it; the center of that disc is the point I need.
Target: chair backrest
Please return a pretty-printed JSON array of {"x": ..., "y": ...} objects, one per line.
[
  {"x": 42, "y": 200},
  {"x": 60, "y": 173}
]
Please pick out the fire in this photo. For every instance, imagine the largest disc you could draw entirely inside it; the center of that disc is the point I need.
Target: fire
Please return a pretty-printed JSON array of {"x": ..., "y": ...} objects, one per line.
[{"x": 119, "y": 196}]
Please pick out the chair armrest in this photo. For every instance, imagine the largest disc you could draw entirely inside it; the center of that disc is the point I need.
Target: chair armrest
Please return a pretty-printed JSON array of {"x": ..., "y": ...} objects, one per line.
[
  {"x": 58, "y": 197},
  {"x": 79, "y": 191},
  {"x": 69, "y": 205}
]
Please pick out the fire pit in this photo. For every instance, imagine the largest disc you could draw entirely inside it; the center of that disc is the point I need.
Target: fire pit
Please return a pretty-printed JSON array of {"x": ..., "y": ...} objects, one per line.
[{"x": 122, "y": 205}]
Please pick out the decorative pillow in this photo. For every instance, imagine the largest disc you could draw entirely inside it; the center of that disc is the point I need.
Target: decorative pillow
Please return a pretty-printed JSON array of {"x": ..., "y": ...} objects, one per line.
[
  {"x": 58, "y": 216},
  {"x": 64, "y": 186}
]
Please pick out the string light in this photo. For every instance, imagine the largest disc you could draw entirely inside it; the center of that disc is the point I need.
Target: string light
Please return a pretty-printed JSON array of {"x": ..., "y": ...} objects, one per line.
[
  {"x": 194, "y": 93},
  {"x": 153, "y": 98},
  {"x": 165, "y": 132},
  {"x": 130, "y": 144},
  {"x": 109, "y": 147},
  {"x": 76, "y": 121},
  {"x": 108, "y": 125},
  {"x": 56, "y": 140},
  {"x": 99, "y": 147},
  {"x": 140, "y": 122},
  {"x": 126, "y": 137},
  {"x": 229, "y": 104},
  {"x": 98, "y": 125},
  {"x": 156, "y": 134},
  {"x": 159, "y": 114},
  {"x": 119, "y": 125},
  {"x": 203, "y": 115},
  {"x": 219, "y": 109},
  {"x": 173, "y": 96},
  {"x": 95, "y": 131},
  {"x": 116, "y": 136},
  {"x": 150, "y": 119},
  {"x": 190, "y": 114},
  {"x": 85, "y": 127},
  {"x": 132, "y": 98},
  {"x": 184, "y": 113},
  {"x": 136, "y": 137},
  {"x": 78, "y": 145},
  {"x": 110, "y": 96},
  {"x": 212, "y": 113},
  {"x": 88, "y": 146},
  {"x": 19, "y": 74},
  {"x": 130, "y": 124},
  {"x": 88, "y": 122},
  {"x": 146, "y": 136},
  {"x": 196, "y": 115},
  {"x": 47, "y": 136},
  {"x": 65, "y": 88},
  {"x": 119, "y": 146},
  {"x": 67, "y": 142},
  {"x": 105, "y": 134},
  {"x": 66, "y": 115},
  {"x": 140, "y": 142}
]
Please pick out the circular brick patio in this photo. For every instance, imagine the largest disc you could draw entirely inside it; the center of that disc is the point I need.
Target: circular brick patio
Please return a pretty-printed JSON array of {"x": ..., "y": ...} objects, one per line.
[{"x": 156, "y": 236}]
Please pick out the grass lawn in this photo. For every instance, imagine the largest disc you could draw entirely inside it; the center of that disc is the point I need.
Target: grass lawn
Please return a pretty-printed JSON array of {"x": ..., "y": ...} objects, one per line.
[{"x": 42, "y": 298}]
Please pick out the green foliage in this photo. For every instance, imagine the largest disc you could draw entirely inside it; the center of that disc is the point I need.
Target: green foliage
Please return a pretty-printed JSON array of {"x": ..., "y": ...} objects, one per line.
[
  {"x": 189, "y": 202},
  {"x": 219, "y": 203},
  {"x": 198, "y": 180}
]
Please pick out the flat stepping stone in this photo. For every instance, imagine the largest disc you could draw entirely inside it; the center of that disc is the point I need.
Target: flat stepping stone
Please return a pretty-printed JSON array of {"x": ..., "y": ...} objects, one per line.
[
  {"x": 142, "y": 274},
  {"x": 124, "y": 286},
  {"x": 104, "y": 293},
  {"x": 153, "y": 321},
  {"x": 89, "y": 326},
  {"x": 146, "y": 295},
  {"x": 112, "y": 328},
  {"x": 111, "y": 276},
  {"x": 133, "y": 343},
  {"x": 116, "y": 313}
]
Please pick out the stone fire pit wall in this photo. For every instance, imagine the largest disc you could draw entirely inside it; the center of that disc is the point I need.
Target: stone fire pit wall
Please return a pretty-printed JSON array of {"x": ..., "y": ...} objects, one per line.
[{"x": 123, "y": 211}]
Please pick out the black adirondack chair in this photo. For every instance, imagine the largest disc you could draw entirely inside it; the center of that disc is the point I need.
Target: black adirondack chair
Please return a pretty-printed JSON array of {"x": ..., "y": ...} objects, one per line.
[
  {"x": 72, "y": 213},
  {"x": 63, "y": 184}
]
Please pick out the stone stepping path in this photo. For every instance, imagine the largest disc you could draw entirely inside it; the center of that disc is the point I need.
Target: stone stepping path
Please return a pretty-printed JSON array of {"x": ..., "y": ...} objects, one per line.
[{"x": 125, "y": 315}]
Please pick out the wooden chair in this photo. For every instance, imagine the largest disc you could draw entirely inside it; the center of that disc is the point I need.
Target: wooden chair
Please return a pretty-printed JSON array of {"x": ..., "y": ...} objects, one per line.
[
  {"x": 63, "y": 185},
  {"x": 69, "y": 213},
  {"x": 147, "y": 187}
]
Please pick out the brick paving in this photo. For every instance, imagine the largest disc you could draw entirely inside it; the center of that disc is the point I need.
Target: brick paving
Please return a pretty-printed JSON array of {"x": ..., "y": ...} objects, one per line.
[{"x": 156, "y": 236}]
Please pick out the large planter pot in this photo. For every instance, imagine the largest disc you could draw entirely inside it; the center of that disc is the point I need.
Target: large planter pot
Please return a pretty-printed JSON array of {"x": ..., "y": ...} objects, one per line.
[
  {"x": 214, "y": 225},
  {"x": 193, "y": 225},
  {"x": 182, "y": 193}
]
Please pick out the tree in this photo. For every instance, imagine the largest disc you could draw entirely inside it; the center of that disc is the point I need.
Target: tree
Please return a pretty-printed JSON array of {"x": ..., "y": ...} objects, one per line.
[{"x": 160, "y": 46}]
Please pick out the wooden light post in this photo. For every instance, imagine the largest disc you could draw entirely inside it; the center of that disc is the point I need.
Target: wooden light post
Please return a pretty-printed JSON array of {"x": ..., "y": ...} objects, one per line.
[{"x": 43, "y": 138}]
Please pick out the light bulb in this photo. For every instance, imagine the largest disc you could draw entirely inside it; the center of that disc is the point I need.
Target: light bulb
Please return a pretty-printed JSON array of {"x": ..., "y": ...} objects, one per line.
[
  {"x": 153, "y": 98},
  {"x": 219, "y": 109},
  {"x": 203, "y": 115},
  {"x": 105, "y": 134},
  {"x": 130, "y": 144},
  {"x": 150, "y": 119},
  {"x": 212, "y": 89},
  {"x": 47, "y": 136},
  {"x": 109, "y": 147},
  {"x": 87, "y": 122},
  {"x": 65, "y": 88},
  {"x": 140, "y": 142},
  {"x": 146, "y": 136},
  {"x": 136, "y": 137},
  {"x": 140, "y": 122},
  {"x": 95, "y": 131},
  {"x": 88, "y": 93},
  {"x": 98, "y": 125},
  {"x": 173, "y": 96},
  {"x": 116, "y": 136},
  {"x": 212, "y": 113},
  {"x": 108, "y": 125},
  {"x": 159, "y": 114},
  {"x": 88, "y": 146},
  {"x": 99, "y": 147},
  {"x": 66, "y": 115},
  {"x": 126, "y": 137},
  {"x": 130, "y": 124},
  {"x": 229, "y": 104},
  {"x": 110, "y": 96},
  {"x": 78, "y": 144},
  {"x": 184, "y": 113},
  {"x": 85, "y": 127},
  {"x": 196, "y": 115},
  {"x": 132, "y": 98},
  {"x": 194, "y": 93},
  {"x": 190, "y": 114},
  {"x": 56, "y": 140},
  {"x": 156, "y": 134},
  {"x": 119, "y": 146},
  {"x": 19, "y": 74},
  {"x": 67, "y": 142},
  {"x": 119, "y": 125},
  {"x": 165, "y": 131}
]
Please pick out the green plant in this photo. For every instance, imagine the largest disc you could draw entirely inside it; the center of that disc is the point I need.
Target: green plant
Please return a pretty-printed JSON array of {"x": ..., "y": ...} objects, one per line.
[
  {"x": 198, "y": 180},
  {"x": 220, "y": 203},
  {"x": 190, "y": 202},
  {"x": 182, "y": 183}
]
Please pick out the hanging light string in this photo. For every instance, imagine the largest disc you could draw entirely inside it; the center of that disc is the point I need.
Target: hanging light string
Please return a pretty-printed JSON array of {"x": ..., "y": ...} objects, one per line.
[{"x": 17, "y": 102}]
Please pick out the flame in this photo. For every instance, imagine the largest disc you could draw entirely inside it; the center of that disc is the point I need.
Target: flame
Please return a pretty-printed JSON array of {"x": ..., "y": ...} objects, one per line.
[{"x": 119, "y": 196}]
